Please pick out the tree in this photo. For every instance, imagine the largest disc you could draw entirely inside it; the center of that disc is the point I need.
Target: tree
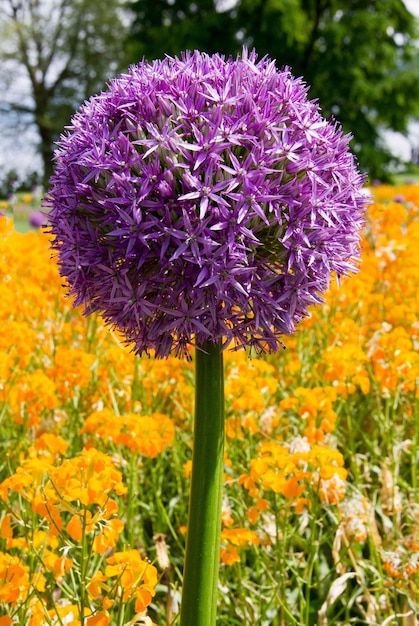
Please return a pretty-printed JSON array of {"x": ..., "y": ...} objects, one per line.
[
  {"x": 167, "y": 27},
  {"x": 55, "y": 54},
  {"x": 360, "y": 57}
]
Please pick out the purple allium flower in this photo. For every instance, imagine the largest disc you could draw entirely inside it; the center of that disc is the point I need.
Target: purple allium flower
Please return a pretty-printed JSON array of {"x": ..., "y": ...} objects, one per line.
[
  {"x": 204, "y": 199},
  {"x": 37, "y": 219}
]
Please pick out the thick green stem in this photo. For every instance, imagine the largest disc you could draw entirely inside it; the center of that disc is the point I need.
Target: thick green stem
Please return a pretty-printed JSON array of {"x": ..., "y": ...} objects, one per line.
[{"x": 200, "y": 578}]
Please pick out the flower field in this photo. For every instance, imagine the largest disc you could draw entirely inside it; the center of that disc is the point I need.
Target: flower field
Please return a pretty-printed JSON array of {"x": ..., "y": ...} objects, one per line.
[{"x": 321, "y": 493}]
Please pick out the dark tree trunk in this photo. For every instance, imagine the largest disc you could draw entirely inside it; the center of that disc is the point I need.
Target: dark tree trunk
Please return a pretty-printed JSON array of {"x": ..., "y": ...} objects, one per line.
[
  {"x": 42, "y": 97},
  {"x": 47, "y": 154}
]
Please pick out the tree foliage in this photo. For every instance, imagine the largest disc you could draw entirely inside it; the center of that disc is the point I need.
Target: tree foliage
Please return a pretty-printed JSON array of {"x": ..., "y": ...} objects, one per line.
[
  {"x": 57, "y": 53},
  {"x": 359, "y": 56},
  {"x": 167, "y": 27}
]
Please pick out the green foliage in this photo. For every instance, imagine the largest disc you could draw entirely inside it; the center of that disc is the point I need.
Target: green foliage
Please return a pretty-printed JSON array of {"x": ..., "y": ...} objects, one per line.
[
  {"x": 360, "y": 58},
  {"x": 164, "y": 27},
  {"x": 62, "y": 52}
]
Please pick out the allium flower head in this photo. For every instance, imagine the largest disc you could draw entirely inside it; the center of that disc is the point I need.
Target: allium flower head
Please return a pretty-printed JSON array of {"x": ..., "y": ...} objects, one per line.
[{"x": 203, "y": 199}]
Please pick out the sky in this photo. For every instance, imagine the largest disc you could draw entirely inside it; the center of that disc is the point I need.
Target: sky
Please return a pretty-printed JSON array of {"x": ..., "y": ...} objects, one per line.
[{"x": 18, "y": 149}]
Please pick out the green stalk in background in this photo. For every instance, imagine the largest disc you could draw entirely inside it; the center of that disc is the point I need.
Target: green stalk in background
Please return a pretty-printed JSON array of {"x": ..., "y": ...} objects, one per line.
[{"x": 200, "y": 579}]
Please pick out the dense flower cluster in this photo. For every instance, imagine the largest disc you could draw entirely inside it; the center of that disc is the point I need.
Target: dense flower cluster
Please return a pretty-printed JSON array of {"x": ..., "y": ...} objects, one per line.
[
  {"x": 73, "y": 514},
  {"x": 147, "y": 435},
  {"x": 203, "y": 199},
  {"x": 293, "y": 468},
  {"x": 320, "y": 466}
]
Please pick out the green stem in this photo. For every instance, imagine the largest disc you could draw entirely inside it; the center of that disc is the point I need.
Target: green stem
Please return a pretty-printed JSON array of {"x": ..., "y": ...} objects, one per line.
[
  {"x": 83, "y": 570},
  {"x": 200, "y": 579}
]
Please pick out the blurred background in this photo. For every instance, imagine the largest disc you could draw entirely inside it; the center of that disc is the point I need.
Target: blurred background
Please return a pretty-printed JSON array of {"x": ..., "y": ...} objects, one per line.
[{"x": 360, "y": 57}]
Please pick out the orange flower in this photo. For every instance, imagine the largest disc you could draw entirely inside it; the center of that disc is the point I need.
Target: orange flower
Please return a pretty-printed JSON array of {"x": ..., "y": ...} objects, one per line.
[
  {"x": 229, "y": 555},
  {"x": 232, "y": 539},
  {"x": 6, "y": 530},
  {"x": 72, "y": 369},
  {"x": 97, "y": 582},
  {"x": 60, "y": 565},
  {"x": 34, "y": 394},
  {"x": 51, "y": 445},
  {"x": 135, "y": 576},
  {"x": 74, "y": 528},
  {"x": 108, "y": 537},
  {"x": 27, "y": 480},
  {"x": 50, "y": 512},
  {"x": 99, "y": 619},
  {"x": 66, "y": 613},
  {"x": 14, "y": 579},
  {"x": 140, "y": 433},
  {"x": 240, "y": 536},
  {"x": 88, "y": 478},
  {"x": 289, "y": 469}
]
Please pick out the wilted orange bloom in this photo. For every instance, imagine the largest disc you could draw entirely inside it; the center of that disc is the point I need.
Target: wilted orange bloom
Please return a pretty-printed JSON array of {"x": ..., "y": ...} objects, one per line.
[
  {"x": 333, "y": 489},
  {"x": 354, "y": 517},
  {"x": 400, "y": 564}
]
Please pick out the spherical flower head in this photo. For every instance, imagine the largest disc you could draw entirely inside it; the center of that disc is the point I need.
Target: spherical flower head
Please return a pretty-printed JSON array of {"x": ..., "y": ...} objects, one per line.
[
  {"x": 204, "y": 199},
  {"x": 37, "y": 219}
]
